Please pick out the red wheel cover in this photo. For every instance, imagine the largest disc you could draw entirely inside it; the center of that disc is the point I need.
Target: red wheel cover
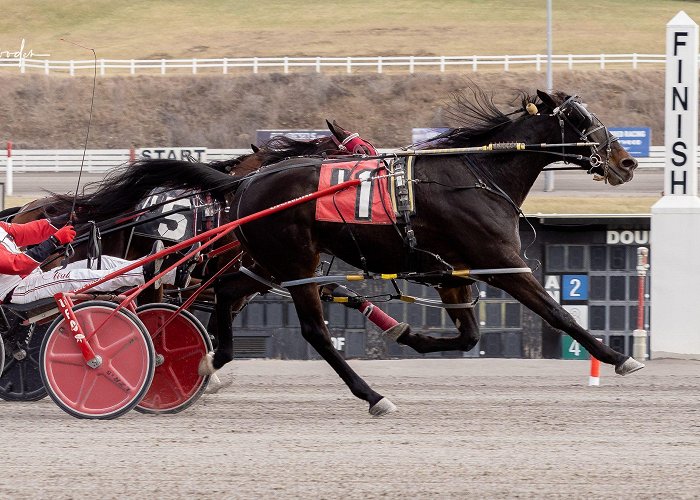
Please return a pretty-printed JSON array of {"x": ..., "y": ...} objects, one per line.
[
  {"x": 126, "y": 362},
  {"x": 179, "y": 348}
]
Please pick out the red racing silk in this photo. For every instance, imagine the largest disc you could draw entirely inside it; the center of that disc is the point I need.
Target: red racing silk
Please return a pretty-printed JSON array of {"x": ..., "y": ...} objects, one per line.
[{"x": 12, "y": 236}]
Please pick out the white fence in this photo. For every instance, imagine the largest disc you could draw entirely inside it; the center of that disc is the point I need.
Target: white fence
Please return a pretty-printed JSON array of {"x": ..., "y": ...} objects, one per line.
[
  {"x": 96, "y": 160},
  {"x": 101, "y": 160},
  {"x": 377, "y": 64}
]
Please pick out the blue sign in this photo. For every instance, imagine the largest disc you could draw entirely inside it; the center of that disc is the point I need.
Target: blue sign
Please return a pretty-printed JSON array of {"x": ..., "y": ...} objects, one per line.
[
  {"x": 425, "y": 134},
  {"x": 574, "y": 287},
  {"x": 262, "y": 136},
  {"x": 636, "y": 140}
]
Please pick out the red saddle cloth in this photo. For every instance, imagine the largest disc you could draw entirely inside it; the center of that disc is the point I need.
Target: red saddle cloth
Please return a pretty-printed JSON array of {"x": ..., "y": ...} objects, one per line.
[{"x": 368, "y": 203}]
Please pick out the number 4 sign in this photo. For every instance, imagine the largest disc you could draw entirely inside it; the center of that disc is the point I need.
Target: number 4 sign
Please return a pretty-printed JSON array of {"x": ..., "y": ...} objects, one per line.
[{"x": 575, "y": 287}]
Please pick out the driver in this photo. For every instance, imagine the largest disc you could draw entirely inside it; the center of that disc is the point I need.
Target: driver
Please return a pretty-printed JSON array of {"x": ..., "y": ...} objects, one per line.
[{"x": 23, "y": 281}]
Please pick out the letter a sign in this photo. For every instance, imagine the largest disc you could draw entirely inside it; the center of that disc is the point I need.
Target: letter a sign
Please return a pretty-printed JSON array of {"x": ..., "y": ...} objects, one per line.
[{"x": 680, "y": 173}]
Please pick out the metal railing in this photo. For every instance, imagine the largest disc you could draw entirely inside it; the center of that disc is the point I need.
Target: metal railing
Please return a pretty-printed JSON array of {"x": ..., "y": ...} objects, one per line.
[
  {"x": 348, "y": 64},
  {"x": 101, "y": 160}
]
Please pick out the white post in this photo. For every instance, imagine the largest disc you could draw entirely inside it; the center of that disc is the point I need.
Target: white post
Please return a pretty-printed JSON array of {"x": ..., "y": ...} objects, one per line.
[
  {"x": 675, "y": 221},
  {"x": 8, "y": 171},
  {"x": 549, "y": 175},
  {"x": 639, "y": 335}
]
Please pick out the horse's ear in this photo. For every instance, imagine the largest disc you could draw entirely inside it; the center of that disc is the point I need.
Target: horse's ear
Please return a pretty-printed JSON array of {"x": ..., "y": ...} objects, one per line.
[
  {"x": 254, "y": 148},
  {"x": 336, "y": 130},
  {"x": 546, "y": 99}
]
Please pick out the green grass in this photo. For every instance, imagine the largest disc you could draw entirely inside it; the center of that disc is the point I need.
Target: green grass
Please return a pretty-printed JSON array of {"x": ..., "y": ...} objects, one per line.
[{"x": 217, "y": 28}]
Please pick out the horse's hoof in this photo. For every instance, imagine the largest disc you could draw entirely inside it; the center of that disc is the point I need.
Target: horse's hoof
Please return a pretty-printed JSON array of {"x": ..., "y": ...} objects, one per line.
[
  {"x": 382, "y": 407},
  {"x": 396, "y": 331},
  {"x": 206, "y": 365},
  {"x": 630, "y": 365},
  {"x": 216, "y": 384}
]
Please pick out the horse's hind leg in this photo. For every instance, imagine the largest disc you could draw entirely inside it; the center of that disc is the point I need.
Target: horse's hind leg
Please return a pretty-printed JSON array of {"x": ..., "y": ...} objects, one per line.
[
  {"x": 463, "y": 318},
  {"x": 313, "y": 328},
  {"x": 528, "y": 291},
  {"x": 233, "y": 291}
]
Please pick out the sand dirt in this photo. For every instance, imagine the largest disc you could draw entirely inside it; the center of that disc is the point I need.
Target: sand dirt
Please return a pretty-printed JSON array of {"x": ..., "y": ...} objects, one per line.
[{"x": 479, "y": 428}]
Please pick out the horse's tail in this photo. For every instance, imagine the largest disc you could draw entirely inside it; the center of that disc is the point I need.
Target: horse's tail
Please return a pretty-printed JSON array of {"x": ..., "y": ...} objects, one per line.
[{"x": 123, "y": 188}]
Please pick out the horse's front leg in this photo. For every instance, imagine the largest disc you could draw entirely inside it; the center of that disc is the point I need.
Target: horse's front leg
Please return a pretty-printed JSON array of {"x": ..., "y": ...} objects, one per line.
[
  {"x": 463, "y": 318},
  {"x": 313, "y": 328},
  {"x": 528, "y": 291}
]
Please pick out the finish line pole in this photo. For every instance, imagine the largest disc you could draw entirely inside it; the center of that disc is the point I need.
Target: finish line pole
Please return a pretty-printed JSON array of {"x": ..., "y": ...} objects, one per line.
[{"x": 675, "y": 218}]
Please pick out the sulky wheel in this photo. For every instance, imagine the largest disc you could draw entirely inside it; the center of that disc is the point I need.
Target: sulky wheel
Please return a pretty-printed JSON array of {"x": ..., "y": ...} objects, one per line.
[
  {"x": 179, "y": 348},
  {"x": 21, "y": 379},
  {"x": 124, "y": 375}
]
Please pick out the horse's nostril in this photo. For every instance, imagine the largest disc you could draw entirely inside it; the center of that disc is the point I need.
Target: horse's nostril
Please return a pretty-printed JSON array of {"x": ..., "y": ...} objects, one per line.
[{"x": 629, "y": 163}]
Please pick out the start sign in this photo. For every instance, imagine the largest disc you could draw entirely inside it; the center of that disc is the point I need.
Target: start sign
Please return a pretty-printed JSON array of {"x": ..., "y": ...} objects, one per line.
[{"x": 198, "y": 154}]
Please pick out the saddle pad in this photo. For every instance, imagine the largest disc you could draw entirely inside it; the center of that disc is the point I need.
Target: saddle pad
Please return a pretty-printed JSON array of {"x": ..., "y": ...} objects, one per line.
[
  {"x": 174, "y": 227},
  {"x": 368, "y": 203}
]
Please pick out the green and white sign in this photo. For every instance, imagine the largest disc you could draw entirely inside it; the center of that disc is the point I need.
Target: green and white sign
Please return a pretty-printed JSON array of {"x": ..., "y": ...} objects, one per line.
[{"x": 570, "y": 349}]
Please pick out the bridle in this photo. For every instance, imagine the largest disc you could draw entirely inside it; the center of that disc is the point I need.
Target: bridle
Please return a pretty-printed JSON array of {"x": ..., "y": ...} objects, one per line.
[
  {"x": 573, "y": 113},
  {"x": 354, "y": 144}
]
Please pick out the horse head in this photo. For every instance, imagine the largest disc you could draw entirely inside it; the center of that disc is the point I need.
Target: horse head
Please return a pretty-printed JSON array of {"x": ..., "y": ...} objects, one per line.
[{"x": 606, "y": 159}]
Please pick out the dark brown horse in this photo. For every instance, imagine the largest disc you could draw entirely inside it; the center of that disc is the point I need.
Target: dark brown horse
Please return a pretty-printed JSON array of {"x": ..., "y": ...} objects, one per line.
[{"x": 467, "y": 215}]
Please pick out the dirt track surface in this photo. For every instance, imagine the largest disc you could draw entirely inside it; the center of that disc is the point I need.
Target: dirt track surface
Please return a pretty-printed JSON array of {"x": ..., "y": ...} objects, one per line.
[{"x": 465, "y": 429}]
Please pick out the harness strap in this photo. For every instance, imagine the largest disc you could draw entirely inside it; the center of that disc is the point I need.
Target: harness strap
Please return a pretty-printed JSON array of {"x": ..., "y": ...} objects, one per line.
[
  {"x": 460, "y": 273},
  {"x": 403, "y": 202},
  {"x": 94, "y": 246},
  {"x": 273, "y": 286}
]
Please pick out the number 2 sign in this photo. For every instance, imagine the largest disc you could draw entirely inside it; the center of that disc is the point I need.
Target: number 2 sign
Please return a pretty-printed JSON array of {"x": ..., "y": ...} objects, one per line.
[{"x": 575, "y": 287}]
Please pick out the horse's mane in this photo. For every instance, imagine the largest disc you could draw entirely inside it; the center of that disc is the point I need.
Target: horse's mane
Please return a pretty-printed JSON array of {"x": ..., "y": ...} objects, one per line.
[
  {"x": 123, "y": 187},
  {"x": 280, "y": 148},
  {"x": 477, "y": 115}
]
